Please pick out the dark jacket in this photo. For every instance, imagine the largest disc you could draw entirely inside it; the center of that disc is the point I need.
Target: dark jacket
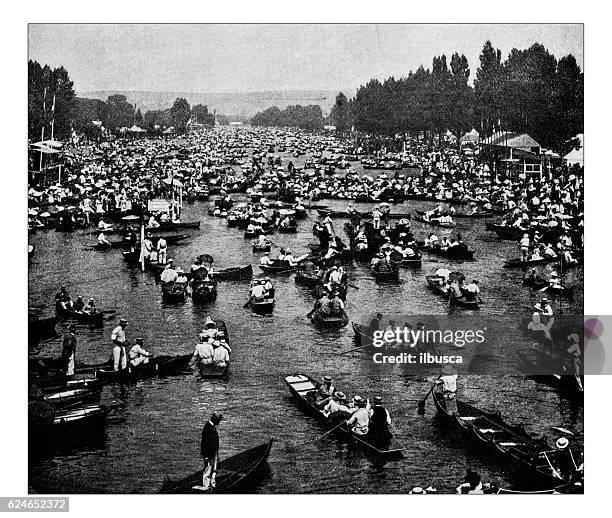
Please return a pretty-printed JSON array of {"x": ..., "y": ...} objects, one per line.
[
  {"x": 378, "y": 420},
  {"x": 210, "y": 441},
  {"x": 68, "y": 346}
]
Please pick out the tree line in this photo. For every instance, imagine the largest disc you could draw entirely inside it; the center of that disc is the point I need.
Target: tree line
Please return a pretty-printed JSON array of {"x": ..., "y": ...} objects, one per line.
[
  {"x": 304, "y": 117},
  {"x": 52, "y": 102},
  {"x": 530, "y": 92}
]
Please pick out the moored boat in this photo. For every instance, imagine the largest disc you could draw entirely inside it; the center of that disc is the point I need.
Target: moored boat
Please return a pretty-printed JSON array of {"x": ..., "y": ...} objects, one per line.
[
  {"x": 156, "y": 366},
  {"x": 535, "y": 456},
  {"x": 236, "y": 474},
  {"x": 235, "y": 273}
]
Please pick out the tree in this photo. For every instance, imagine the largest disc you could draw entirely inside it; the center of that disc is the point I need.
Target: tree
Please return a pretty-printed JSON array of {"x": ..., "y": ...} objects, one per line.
[
  {"x": 50, "y": 98},
  {"x": 488, "y": 88},
  {"x": 340, "y": 114},
  {"x": 180, "y": 113},
  {"x": 138, "y": 120},
  {"x": 461, "y": 96},
  {"x": 200, "y": 115},
  {"x": 119, "y": 112}
]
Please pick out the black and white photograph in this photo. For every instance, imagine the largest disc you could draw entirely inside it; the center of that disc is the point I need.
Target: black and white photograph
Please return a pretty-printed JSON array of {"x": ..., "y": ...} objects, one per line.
[{"x": 305, "y": 258}]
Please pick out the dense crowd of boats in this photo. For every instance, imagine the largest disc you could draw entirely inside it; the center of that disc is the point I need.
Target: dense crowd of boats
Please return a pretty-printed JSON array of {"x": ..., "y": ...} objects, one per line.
[{"x": 109, "y": 188}]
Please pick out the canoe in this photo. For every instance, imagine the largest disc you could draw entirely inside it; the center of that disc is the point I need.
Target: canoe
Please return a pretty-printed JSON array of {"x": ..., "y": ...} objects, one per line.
[
  {"x": 457, "y": 301},
  {"x": 291, "y": 229},
  {"x": 361, "y": 336},
  {"x": 262, "y": 306},
  {"x": 166, "y": 227},
  {"x": 433, "y": 222},
  {"x": 540, "y": 284},
  {"x": 212, "y": 371},
  {"x": 276, "y": 270},
  {"x": 45, "y": 422},
  {"x": 133, "y": 258},
  {"x": 41, "y": 329},
  {"x": 474, "y": 216},
  {"x": 174, "y": 292},
  {"x": 203, "y": 291},
  {"x": 330, "y": 321},
  {"x": 259, "y": 248},
  {"x": 457, "y": 253},
  {"x": 309, "y": 280},
  {"x": 235, "y": 273},
  {"x": 73, "y": 396},
  {"x": 82, "y": 317},
  {"x": 413, "y": 260},
  {"x": 535, "y": 456},
  {"x": 301, "y": 385},
  {"x": 390, "y": 274},
  {"x": 520, "y": 263},
  {"x": 156, "y": 366},
  {"x": 236, "y": 474}
]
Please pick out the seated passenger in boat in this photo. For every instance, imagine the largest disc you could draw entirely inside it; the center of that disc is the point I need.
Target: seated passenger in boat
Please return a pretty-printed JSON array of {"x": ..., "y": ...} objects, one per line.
[
  {"x": 79, "y": 305},
  {"x": 472, "y": 290},
  {"x": 380, "y": 420},
  {"x": 360, "y": 420},
  {"x": 169, "y": 274},
  {"x": 203, "y": 354},
  {"x": 220, "y": 354},
  {"x": 258, "y": 291},
  {"x": 336, "y": 304},
  {"x": 265, "y": 260},
  {"x": 472, "y": 485},
  {"x": 336, "y": 408},
  {"x": 138, "y": 355}
]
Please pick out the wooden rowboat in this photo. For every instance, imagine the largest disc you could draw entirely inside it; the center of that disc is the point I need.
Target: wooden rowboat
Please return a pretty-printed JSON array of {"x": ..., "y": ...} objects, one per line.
[
  {"x": 432, "y": 282},
  {"x": 82, "y": 317},
  {"x": 236, "y": 474},
  {"x": 235, "y": 273},
  {"x": 535, "y": 456},
  {"x": 174, "y": 292},
  {"x": 277, "y": 270},
  {"x": 156, "y": 366},
  {"x": 330, "y": 320},
  {"x": 73, "y": 396},
  {"x": 388, "y": 274},
  {"x": 301, "y": 386},
  {"x": 362, "y": 337}
]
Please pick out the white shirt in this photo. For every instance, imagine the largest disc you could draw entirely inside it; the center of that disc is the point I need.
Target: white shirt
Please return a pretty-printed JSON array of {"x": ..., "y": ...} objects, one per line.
[
  {"x": 205, "y": 352},
  {"x": 118, "y": 335},
  {"x": 169, "y": 275},
  {"x": 449, "y": 382}
]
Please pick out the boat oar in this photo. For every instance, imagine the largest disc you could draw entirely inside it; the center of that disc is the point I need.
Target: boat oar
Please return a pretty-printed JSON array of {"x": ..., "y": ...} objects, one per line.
[
  {"x": 350, "y": 350},
  {"x": 422, "y": 402},
  {"x": 248, "y": 303},
  {"x": 330, "y": 431},
  {"x": 353, "y": 286}
]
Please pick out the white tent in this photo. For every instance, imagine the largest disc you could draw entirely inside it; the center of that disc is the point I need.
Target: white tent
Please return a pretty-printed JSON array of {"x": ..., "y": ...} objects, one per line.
[
  {"x": 575, "y": 156},
  {"x": 136, "y": 129}
]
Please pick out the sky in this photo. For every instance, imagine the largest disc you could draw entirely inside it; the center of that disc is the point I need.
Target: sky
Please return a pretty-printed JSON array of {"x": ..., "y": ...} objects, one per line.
[{"x": 258, "y": 57}]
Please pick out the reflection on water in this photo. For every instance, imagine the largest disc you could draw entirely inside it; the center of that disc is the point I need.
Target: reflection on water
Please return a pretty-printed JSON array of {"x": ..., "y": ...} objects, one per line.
[{"x": 156, "y": 431}]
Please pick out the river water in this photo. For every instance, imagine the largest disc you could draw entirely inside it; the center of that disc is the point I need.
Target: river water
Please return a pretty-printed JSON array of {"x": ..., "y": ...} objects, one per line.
[{"x": 155, "y": 428}]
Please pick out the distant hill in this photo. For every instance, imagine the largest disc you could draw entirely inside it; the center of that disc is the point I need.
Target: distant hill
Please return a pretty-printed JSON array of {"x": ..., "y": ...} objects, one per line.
[{"x": 240, "y": 104}]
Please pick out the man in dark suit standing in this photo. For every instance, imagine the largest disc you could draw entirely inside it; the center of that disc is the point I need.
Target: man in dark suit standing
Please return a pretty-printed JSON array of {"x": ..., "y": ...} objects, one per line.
[{"x": 209, "y": 449}]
